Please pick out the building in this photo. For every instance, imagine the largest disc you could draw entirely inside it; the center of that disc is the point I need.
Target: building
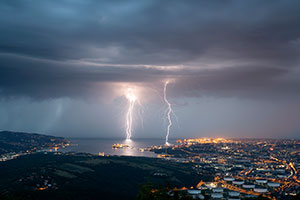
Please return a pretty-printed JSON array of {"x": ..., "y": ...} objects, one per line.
[
  {"x": 218, "y": 189},
  {"x": 260, "y": 189},
  {"x": 238, "y": 182},
  {"x": 248, "y": 186},
  {"x": 261, "y": 181},
  {"x": 228, "y": 178},
  {"x": 216, "y": 195},
  {"x": 233, "y": 194},
  {"x": 273, "y": 184},
  {"x": 195, "y": 194}
]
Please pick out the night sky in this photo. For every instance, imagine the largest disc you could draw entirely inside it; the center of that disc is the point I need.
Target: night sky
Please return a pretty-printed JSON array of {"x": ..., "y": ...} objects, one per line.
[{"x": 233, "y": 67}]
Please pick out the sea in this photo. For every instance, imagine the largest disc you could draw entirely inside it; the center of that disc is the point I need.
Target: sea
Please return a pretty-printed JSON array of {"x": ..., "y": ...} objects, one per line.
[{"x": 99, "y": 145}]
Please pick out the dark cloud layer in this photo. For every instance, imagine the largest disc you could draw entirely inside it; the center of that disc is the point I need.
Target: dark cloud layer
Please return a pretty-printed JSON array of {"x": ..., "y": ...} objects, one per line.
[
  {"x": 225, "y": 45},
  {"x": 74, "y": 49}
]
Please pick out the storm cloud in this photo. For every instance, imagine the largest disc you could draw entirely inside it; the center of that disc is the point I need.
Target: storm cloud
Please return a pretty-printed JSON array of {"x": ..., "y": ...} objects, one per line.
[{"x": 245, "y": 50}]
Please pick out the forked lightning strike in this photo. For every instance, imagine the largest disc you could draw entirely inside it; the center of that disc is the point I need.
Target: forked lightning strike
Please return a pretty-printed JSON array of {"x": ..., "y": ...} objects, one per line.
[
  {"x": 169, "y": 112},
  {"x": 131, "y": 101}
]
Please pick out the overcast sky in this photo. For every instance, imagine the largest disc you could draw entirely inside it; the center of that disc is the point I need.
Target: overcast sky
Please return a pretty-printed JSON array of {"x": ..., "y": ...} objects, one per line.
[{"x": 233, "y": 66}]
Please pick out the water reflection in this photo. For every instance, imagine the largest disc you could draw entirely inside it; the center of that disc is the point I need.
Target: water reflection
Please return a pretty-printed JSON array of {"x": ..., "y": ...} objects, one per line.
[
  {"x": 131, "y": 150},
  {"x": 95, "y": 146}
]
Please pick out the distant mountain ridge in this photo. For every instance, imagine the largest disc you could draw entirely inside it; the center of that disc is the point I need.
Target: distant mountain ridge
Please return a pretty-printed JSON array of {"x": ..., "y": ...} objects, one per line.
[{"x": 20, "y": 141}]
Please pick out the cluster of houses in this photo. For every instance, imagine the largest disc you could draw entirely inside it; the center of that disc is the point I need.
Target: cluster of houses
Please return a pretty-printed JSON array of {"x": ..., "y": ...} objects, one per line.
[{"x": 233, "y": 190}]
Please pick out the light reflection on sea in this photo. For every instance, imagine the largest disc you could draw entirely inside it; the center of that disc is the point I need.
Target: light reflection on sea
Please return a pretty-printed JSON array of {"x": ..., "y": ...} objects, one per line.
[{"x": 96, "y": 146}]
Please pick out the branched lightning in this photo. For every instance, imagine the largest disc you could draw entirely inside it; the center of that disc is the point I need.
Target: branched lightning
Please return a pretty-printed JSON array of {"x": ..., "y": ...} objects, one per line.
[
  {"x": 169, "y": 111},
  {"x": 131, "y": 102}
]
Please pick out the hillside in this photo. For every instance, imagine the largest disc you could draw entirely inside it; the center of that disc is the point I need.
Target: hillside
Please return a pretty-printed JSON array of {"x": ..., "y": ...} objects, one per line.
[
  {"x": 22, "y": 142},
  {"x": 84, "y": 176}
]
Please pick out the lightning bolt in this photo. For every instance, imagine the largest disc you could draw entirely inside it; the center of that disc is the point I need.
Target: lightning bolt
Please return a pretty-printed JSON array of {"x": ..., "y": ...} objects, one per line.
[
  {"x": 169, "y": 112},
  {"x": 131, "y": 102}
]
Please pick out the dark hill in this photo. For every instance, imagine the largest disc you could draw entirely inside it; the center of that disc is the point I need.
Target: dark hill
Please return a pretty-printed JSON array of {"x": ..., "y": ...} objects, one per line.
[
  {"x": 57, "y": 176},
  {"x": 21, "y": 142}
]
